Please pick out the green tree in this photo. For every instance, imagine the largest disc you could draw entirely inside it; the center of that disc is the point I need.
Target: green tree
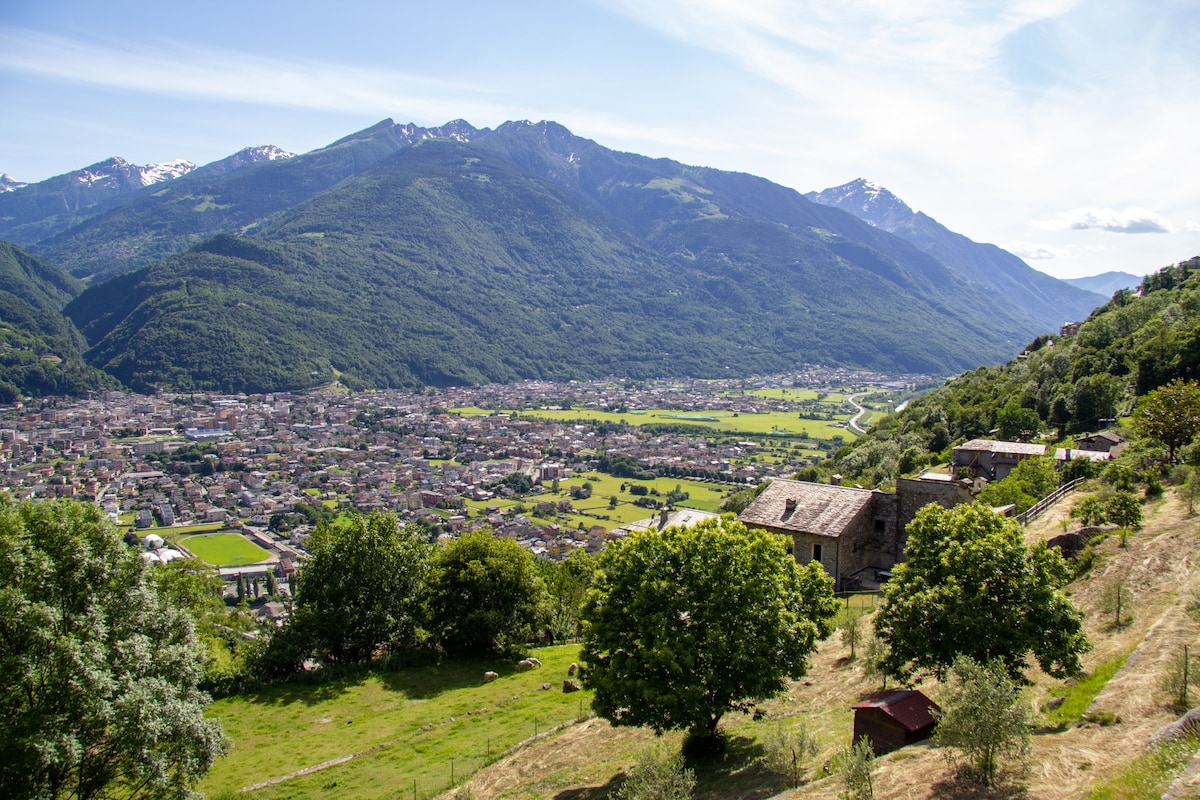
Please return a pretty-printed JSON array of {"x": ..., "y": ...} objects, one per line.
[
  {"x": 970, "y": 587},
  {"x": 1017, "y": 424},
  {"x": 1123, "y": 510},
  {"x": 685, "y": 625},
  {"x": 98, "y": 667},
  {"x": 852, "y": 632},
  {"x": 1031, "y": 480},
  {"x": 982, "y": 716},
  {"x": 1170, "y": 414},
  {"x": 484, "y": 594},
  {"x": 566, "y": 583},
  {"x": 1089, "y": 511},
  {"x": 1118, "y": 600},
  {"x": 360, "y": 587},
  {"x": 855, "y": 764}
]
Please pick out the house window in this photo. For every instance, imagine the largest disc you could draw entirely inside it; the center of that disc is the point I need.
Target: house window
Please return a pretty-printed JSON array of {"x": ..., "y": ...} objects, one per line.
[
  {"x": 817, "y": 553},
  {"x": 880, "y": 526}
]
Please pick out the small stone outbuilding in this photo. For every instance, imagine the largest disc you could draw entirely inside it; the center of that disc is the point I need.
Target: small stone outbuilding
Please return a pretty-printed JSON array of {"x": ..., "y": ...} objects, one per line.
[{"x": 895, "y": 718}]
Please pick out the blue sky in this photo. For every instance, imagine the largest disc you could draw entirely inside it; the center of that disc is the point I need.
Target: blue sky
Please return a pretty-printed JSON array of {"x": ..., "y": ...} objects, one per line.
[{"x": 1063, "y": 130}]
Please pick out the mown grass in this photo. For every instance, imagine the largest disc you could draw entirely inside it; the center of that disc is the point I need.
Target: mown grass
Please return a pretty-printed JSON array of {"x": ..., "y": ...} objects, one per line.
[
  {"x": 1149, "y": 775},
  {"x": 224, "y": 549},
  {"x": 1079, "y": 695},
  {"x": 420, "y": 728}
]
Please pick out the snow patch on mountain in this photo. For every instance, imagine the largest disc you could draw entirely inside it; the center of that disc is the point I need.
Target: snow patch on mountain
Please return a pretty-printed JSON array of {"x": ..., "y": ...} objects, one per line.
[
  {"x": 167, "y": 171},
  {"x": 8, "y": 183}
]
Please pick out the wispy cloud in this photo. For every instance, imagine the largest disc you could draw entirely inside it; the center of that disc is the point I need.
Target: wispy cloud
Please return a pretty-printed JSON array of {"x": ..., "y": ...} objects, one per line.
[
  {"x": 1037, "y": 252},
  {"x": 1132, "y": 220},
  {"x": 173, "y": 69}
]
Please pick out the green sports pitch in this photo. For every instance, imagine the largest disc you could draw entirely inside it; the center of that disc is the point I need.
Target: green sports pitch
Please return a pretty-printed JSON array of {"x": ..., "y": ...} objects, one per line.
[{"x": 224, "y": 549}]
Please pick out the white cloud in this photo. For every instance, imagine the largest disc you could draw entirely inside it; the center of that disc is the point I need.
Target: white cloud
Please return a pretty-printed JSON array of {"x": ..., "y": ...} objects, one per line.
[
  {"x": 1193, "y": 227},
  {"x": 1132, "y": 220},
  {"x": 1031, "y": 251},
  {"x": 175, "y": 69}
]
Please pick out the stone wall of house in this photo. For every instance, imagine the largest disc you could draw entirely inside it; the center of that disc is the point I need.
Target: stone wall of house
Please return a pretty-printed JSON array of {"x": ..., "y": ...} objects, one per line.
[{"x": 913, "y": 495}]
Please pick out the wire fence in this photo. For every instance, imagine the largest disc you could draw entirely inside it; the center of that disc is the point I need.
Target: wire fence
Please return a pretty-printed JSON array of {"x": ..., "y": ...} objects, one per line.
[{"x": 442, "y": 778}]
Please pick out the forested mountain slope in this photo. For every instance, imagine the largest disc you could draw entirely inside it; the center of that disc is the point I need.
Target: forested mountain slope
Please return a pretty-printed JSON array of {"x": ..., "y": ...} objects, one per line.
[
  {"x": 41, "y": 353},
  {"x": 1128, "y": 347},
  {"x": 445, "y": 264}
]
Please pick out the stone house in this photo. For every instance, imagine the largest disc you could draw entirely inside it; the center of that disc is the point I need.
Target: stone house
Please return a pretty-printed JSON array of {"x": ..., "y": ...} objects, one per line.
[
  {"x": 857, "y": 535},
  {"x": 994, "y": 460}
]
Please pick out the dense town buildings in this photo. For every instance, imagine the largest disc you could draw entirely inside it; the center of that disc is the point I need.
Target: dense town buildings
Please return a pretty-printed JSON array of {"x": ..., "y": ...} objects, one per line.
[{"x": 171, "y": 460}]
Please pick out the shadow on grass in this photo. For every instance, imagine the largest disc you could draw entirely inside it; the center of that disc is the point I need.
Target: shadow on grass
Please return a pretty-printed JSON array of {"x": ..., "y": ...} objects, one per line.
[
  {"x": 603, "y": 792},
  {"x": 962, "y": 785},
  {"x": 736, "y": 773}
]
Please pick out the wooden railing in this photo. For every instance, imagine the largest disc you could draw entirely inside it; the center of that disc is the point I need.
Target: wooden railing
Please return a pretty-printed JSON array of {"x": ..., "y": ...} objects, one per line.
[{"x": 1025, "y": 517}]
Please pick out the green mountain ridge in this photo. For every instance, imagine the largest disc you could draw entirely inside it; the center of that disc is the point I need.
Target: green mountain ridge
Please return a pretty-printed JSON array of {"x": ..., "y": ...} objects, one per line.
[
  {"x": 41, "y": 352},
  {"x": 446, "y": 263},
  {"x": 407, "y": 256}
]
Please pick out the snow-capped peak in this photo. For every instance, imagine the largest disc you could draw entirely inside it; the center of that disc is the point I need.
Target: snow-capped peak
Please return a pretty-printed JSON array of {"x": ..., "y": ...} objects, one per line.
[
  {"x": 169, "y": 170},
  {"x": 866, "y": 200},
  {"x": 8, "y": 183}
]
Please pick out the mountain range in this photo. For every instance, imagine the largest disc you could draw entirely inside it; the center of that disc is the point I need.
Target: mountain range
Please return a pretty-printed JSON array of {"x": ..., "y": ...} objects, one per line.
[{"x": 407, "y": 256}]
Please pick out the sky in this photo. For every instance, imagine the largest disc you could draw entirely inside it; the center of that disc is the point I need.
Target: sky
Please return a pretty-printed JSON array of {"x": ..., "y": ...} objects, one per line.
[{"x": 1061, "y": 130}]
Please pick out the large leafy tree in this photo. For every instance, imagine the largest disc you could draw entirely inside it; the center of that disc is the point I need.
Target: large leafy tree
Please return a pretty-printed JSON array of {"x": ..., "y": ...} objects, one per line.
[
  {"x": 1170, "y": 414},
  {"x": 685, "y": 625},
  {"x": 361, "y": 587},
  {"x": 98, "y": 668},
  {"x": 969, "y": 586},
  {"x": 484, "y": 594}
]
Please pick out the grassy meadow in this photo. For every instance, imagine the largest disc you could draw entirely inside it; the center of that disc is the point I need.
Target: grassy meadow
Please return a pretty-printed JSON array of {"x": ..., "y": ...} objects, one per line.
[
  {"x": 769, "y": 423},
  {"x": 409, "y": 733}
]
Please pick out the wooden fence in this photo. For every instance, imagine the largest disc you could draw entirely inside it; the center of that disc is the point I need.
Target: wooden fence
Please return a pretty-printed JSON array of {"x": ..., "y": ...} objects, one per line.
[{"x": 1046, "y": 502}]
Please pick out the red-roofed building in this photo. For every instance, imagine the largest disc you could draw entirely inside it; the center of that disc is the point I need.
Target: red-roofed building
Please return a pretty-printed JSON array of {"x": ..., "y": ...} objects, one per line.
[{"x": 895, "y": 718}]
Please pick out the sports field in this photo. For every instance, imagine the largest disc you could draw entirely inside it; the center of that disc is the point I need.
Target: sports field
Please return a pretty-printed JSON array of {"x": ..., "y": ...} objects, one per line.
[{"x": 224, "y": 549}]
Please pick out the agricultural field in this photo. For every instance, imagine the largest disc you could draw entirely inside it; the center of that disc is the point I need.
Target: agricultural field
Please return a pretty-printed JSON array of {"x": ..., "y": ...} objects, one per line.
[
  {"x": 223, "y": 549},
  {"x": 597, "y": 509},
  {"x": 769, "y": 423}
]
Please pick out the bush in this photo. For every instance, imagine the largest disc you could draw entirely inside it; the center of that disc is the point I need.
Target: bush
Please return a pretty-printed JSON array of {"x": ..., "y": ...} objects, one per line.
[
  {"x": 788, "y": 751},
  {"x": 855, "y": 765},
  {"x": 658, "y": 775}
]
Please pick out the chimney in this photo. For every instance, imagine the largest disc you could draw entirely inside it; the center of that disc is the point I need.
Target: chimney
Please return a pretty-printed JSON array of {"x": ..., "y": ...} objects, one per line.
[
  {"x": 835, "y": 480},
  {"x": 662, "y": 518},
  {"x": 789, "y": 505}
]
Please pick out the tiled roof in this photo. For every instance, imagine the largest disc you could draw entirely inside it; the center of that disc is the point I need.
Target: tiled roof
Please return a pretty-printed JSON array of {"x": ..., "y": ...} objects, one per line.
[
  {"x": 907, "y": 706},
  {"x": 816, "y": 508}
]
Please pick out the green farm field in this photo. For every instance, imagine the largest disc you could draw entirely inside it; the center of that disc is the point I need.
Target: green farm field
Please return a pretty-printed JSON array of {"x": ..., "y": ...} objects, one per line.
[
  {"x": 224, "y": 549},
  {"x": 773, "y": 423},
  {"x": 409, "y": 733},
  {"x": 703, "y": 496}
]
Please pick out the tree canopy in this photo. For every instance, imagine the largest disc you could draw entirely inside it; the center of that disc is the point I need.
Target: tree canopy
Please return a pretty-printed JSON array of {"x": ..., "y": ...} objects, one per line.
[
  {"x": 1171, "y": 415},
  {"x": 98, "y": 670},
  {"x": 970, "y": 587},
  {"x": 685, "y": 625},
  {"x": 361, "y": 587},
  {"x": 484, "y": 594}
]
